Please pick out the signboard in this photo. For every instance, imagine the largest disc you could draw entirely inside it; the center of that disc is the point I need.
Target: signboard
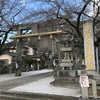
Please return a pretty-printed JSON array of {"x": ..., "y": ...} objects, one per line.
[
  {"x": 89, "y": 46},
  {"x": 84, "y": 81}
]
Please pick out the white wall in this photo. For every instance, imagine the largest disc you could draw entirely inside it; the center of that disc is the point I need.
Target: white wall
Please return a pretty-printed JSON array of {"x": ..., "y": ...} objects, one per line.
[
  {"x": 7, "y": 58},
  {"x": 30, "y": 51}
]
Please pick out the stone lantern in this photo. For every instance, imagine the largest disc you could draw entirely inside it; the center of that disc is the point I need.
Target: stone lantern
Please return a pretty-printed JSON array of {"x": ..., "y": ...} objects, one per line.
[{"x": 66, "y": 53}]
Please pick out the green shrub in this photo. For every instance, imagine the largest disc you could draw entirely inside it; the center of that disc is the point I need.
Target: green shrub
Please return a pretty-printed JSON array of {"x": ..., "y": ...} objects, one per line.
[
  {"x": 4, "y": 70},
  {"x": 29, "y": 60}
]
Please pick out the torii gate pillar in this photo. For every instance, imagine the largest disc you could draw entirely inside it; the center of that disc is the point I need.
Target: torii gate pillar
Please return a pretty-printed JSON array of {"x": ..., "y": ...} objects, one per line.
[{"x": 18, "y": 54}]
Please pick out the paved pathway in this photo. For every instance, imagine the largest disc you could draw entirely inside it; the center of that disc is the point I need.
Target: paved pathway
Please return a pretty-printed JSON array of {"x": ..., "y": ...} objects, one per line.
[{"x": 6, "y": 85}]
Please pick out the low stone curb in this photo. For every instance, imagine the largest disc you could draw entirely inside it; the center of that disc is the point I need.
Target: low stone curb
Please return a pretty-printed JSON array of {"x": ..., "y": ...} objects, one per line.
[{"x": 38, "y": 95}]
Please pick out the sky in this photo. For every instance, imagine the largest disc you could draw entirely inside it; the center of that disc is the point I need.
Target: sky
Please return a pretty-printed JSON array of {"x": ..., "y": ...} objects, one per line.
[
  {"x": 23, "y": 2},
  {"x": 38, "y": 5},
  {"x": 92, "y": 9}
]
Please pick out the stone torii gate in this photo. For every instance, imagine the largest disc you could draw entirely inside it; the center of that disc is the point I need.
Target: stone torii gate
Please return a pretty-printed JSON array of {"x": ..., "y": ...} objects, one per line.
[{"x": 19, "y": 42}]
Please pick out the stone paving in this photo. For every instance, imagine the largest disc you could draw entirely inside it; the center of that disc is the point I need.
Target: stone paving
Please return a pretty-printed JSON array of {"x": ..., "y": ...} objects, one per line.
[{"x": 6, "y": 85}]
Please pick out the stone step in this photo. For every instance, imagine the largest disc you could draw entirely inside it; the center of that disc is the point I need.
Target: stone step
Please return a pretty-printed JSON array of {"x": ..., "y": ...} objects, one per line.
[
  {"x": 66, "y": 84},
  {"x": 90, "y": 98},
  {"x": 6, "y": 95},
  {"x": 19, "y": 96}
]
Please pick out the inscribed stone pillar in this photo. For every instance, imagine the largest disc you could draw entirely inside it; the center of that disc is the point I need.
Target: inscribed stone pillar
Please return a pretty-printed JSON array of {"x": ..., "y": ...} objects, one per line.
[{"x": 89, "y": 46}]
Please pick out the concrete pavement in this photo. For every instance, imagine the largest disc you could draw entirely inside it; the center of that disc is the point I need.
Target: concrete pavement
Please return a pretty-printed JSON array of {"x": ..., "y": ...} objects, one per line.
[{"x": 6, "y": 85}]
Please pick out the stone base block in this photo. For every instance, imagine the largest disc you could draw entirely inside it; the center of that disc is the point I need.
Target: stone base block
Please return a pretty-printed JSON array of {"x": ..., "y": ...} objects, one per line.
[
  {"x": 66, "y": 73},
  {"x": 66, "y": 81}
]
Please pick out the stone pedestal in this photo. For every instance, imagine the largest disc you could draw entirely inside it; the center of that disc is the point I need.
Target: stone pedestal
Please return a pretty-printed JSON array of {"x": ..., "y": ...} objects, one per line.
[{"x": 66, "y": 77}]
